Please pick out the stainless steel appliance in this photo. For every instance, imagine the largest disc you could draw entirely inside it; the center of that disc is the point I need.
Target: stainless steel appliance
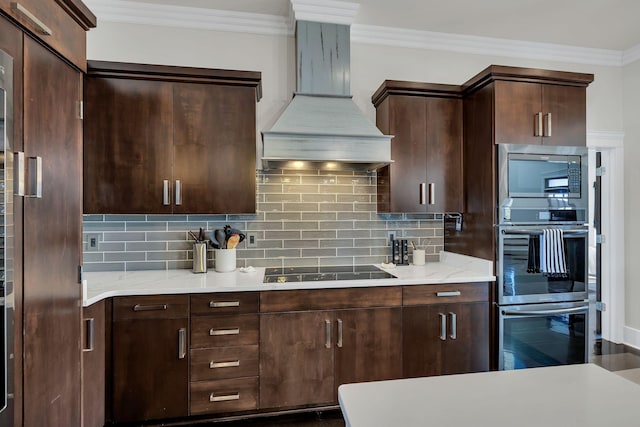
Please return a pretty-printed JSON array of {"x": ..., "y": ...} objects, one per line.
[
  {"x": 6, "y": 240},
  {"x": 543, "y": 314},
  {"x": 540, "y": 184}
]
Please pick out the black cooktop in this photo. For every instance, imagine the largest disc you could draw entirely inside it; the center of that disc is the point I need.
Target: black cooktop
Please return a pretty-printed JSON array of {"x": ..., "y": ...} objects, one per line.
[{"x": 313, "y": 274}]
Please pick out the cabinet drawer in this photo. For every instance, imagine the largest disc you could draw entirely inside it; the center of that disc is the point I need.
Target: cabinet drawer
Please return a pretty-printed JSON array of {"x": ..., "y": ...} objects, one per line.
[
  {"x": 455, "y": 292},
  {"x": 208, "y": 397},
  {"x": 151, "y": 307},
  {"x": 224, "y": 362},
  {"x": 225, "y": 303},
  {"x": 327, "y": 299},
  {"x": 218, "y": 331}
]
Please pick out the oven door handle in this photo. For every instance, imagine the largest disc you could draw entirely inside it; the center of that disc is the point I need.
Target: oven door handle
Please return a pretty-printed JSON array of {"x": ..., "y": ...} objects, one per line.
[
  {"x": 539, "y": 232},
  {"x": 545, "y": 312}
]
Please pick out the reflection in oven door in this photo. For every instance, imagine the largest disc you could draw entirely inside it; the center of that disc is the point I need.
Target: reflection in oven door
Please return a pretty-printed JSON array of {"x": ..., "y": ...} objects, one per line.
[
  {"x": 518, "y": 283},
  {"x": 536, "y": 335}
]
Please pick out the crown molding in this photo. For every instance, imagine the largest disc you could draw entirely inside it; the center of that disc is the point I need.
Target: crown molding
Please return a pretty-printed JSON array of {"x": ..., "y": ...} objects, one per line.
[
  {"x": 131, "y": 12},
  {"x": 631, "y": 55},
  {"x": 483, "y": 45},
  {"x": 329, "y": 11},
  {"x": 342, "y": 13}
]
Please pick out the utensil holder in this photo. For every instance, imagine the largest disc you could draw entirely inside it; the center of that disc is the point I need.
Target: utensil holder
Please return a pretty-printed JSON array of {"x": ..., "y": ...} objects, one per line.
[
  {"x": 200, "y": 257},
  {"x": 418, "y": 257},
  {"x": 225, "y": 260}
]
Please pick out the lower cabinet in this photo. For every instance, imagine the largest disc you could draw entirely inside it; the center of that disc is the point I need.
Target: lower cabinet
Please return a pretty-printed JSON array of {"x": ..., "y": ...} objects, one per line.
[
  {"x": 307, "y": 352},
  {"x": 224, "y": 353},
  {"x": 150, "y": 364},
  {"x": 93, "y": 365},
  {"x": 445, "y": 329}
]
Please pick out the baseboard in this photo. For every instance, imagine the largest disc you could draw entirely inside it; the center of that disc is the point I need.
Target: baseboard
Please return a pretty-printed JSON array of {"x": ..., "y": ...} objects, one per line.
[{"x": 632, "y": 337}]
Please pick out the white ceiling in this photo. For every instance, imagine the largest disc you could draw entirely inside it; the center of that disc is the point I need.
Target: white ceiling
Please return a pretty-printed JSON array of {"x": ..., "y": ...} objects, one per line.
[{"x": 599, "y": 24}]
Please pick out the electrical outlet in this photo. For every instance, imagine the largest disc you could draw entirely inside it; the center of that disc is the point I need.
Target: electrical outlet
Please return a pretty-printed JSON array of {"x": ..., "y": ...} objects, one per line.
[
  {"x": 391, "y": 235},
  {"x": 93, "y": 242},
  {"x": 252, "y": 240}
]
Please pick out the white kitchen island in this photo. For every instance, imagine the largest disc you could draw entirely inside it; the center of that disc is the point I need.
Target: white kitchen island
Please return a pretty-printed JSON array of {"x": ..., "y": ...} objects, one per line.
[{"x": 559, "y": 396}]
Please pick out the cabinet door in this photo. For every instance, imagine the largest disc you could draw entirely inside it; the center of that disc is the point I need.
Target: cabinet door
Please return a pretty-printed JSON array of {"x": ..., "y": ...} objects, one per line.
[
  {"x": 368, "y": 345},
  {"x": 93, "y": 366},
  {"x": 127, "y": 146},
  {"x": 516, "y": 105},
  {"x": 567, "y": 106},
  {"x": 444, "y": 154},
  {"x": 408, "y": 122},
  {"x": 214, "y": 148},
  {"x": 52, "y": 240},
  {"x": 296, "y": 359},
  {"x": 422, "y": 345},
  {"x": 469, "y": 350},
  {"x": 150, "y": 369}
]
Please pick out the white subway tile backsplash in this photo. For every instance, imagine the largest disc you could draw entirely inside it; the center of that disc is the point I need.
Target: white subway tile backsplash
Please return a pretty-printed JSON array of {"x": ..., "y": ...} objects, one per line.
[{"x": 304, "y": 218}]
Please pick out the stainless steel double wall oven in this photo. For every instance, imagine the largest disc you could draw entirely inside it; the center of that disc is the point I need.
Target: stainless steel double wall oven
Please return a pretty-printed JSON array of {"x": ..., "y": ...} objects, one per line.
[{"x": 543, "y": 311}]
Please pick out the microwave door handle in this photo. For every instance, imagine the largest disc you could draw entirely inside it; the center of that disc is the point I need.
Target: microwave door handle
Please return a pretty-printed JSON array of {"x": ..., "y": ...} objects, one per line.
[{"x": 545, "y": 312}]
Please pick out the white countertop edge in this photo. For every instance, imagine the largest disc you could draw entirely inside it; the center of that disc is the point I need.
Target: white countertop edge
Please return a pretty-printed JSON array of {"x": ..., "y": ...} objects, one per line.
[{"x": 453, "y": 268}]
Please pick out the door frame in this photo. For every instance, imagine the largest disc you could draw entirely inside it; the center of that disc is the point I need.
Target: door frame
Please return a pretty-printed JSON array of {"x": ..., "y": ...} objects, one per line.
[{"x": 611, "y": 145}]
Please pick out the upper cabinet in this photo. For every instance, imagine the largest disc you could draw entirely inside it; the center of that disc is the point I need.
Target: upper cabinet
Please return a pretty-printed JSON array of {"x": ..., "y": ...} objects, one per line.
[
  {"x": 537, "y": 106},
  {"x": 426, "y": 122},
  {"x": 61, "y": 24},
  {"x": 163, "y": 140}
]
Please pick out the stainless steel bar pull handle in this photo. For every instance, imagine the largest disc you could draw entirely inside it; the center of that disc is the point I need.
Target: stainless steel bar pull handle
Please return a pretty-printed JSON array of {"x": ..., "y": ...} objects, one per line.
[
  {"x": 223, "y": 304},
  {"x": 178, "y": 192},
  {"x": 32, "y": 18},
  {"x": 165, "y": 192},
  {"x": 443, "y": 326},
  {"x": 339, "y": 343},
  {"x": 182, "y": 343},
  {"x": 218, "y": 332},
  {"x": 454, "y": 326},
  {"x": 538, "y": 125},
  {"x": 230, "y": 364},
  {"x": 547, "y": 127},
  {"x": 448, "y": 294},
  {"x": 151, "y": 307},
  {"x": 224, "y": 397},
  {"x": 327, "y": 332},
  {"x": 35, "y": 177},
  {"x": 432, "y": 193},
  {"x": 90, "y": 335},
  {"x": 423, "y": 193},
  {"x": 19, "y": 174}
]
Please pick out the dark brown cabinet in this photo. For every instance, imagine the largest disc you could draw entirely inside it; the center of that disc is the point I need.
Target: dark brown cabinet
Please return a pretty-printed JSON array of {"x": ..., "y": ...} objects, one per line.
[
  {"x": 426, "y": 121},
  {"x": 224, "y": 353},
  {"x": 536, "y": 113},
  {"x": 510, "y": 105},
  {"x": 195, "y": 152},
  {"x": 93, "y": 365},
  {"x": 150, "y": 357},
  {"x": 445, "y": 329},
  {"x": 52, "y": 239},
  {"x": 325, "y": 338},
  {"x": 47, "y": 220}
]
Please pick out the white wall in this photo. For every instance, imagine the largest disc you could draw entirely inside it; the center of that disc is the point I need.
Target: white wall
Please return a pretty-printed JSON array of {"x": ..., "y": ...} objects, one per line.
[
  {"x": 370, "y": 65},
  {"x": 632, "y": 197}
]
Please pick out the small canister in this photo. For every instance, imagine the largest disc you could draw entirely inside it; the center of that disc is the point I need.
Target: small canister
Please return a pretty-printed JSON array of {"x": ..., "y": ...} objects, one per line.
[
  {"x": 418, "y": 257},
  {"x": 200, "y": 257}
]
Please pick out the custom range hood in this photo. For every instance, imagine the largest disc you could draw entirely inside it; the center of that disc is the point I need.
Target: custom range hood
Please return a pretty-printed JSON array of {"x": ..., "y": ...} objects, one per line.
[{"x": 322, "y": 128}]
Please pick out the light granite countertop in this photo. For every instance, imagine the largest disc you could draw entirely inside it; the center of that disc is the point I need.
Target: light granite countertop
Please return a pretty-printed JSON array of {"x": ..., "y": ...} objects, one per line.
[{"x": 452, "y": 268}]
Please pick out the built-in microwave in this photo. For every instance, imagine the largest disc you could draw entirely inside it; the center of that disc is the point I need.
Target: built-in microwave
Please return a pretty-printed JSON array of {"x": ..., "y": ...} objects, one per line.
[{"x": 535, "y": 180}]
